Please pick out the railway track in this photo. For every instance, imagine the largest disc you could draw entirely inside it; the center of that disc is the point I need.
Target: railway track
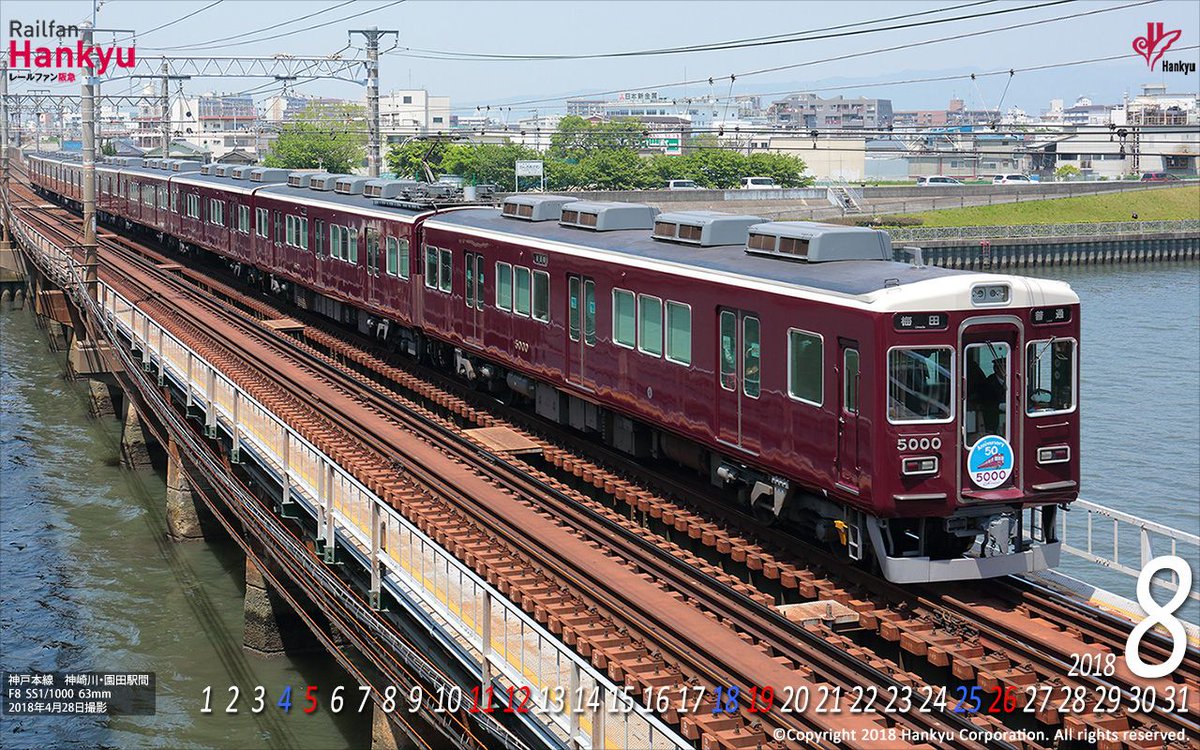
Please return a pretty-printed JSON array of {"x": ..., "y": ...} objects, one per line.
[{"x": 955, "y": 628}]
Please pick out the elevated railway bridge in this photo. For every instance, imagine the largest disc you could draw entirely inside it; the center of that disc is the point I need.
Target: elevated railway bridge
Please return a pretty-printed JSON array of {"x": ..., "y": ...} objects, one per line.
[{"x": 491, "y": 582}]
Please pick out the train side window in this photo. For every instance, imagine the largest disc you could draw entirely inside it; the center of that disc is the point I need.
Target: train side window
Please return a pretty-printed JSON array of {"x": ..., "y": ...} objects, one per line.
[
  {"x": 469, "y": 280},
  {"x": 216, "y": 212},
  {"x": 1051, "y": 376},
  {"x": 479, "y": 282},
  {"x": 278, "y": 228},
  {"x": 392, "y": 248},
  {"x": 504, "y": 286},
  {"x": 335, "y": 242},
  {"x": 319, "y": 233},
  {"x": 589, "y": 312},
  {"x": 304, "y": 234},
  {"x": 291, "y": 229},
  {"x": 174, "y": 200},
  {"x": 679, "y": 333},
  {"x": 404, "y": 272},
  {"x": 373, "y": 262},
  {"x": 572, "y": 305},
  {"x": 521, "y": 291},
  {"x": 351, "y": 236},
  {"x": 447, "y": 279},
  {"x": 920, "y": 384},
  {"x": 541, "y": 296},
  {"x": 650, "y": 329},
  {"x": 260, "y": 222},
  {"x": 806, "y": 371},
  {"x": 850, "y": 381},
  {"x": 751, "y": 357},
  {"x": 624, "y": 318},
  {"x": 728, "y": 345},
  {"x": 431, "y": 267}
]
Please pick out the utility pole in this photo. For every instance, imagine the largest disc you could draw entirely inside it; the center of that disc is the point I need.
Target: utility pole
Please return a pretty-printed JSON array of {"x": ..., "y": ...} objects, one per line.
[
  {"x": 4, "y": 240},
  {"x": 373, "y": 35},
  {"x": 166, "y": 110},
  {"x": 87, "y": 109}
]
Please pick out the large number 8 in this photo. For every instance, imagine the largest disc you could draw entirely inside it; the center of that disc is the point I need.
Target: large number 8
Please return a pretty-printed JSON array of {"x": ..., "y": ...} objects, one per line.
[{"x": 1156, "y": 614}]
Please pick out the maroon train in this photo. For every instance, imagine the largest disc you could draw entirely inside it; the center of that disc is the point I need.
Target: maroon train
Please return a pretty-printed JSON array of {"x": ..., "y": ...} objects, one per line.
[{"x": 923, "y": 418}]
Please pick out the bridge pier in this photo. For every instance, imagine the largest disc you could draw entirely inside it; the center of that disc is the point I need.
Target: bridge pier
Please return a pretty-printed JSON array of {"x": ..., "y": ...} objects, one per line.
[
  {"x": 183, "y": 512},
  {"x": 101, "y": 403},
  {"x": 135, "y": 443},
  {"x": 272, "y": 627},
  {"x": 385, "y": 735}
]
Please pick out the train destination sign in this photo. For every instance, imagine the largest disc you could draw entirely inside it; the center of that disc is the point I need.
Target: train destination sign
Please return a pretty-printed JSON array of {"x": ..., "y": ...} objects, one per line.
[
  {"x": 920, "y": 321},
  {"x": 1050, "y": 315}
]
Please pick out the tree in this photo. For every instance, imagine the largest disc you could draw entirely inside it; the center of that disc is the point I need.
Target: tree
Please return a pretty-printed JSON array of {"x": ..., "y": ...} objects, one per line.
[
  {"x": 662, "y": 168},
  {"x": 785, "y": 169},
  {"x": 483, "y": 163},
  {"x": 715, "y": 167},
  {"x": 1067, "y": 172},
  {"x": 405, "y": 159},
  {"x": 614, "y": 169},
  {"x": 328, "y": 137},
  {"x": 576, "y": 138},
  {"x": 109, "y": 149}
]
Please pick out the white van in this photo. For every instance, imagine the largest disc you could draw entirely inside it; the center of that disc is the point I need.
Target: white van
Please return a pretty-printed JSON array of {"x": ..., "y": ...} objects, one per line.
[
  {"x": 757, "y": 183},
  {"x": 682, "y": 185},
  {"x": 1011, "y": 179}
]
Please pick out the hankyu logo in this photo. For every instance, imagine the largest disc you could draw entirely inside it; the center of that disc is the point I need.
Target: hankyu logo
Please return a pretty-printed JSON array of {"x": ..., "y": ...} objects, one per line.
[
  {"x": 90, "y": 59},
  {"x": 1156, "y": 43}
]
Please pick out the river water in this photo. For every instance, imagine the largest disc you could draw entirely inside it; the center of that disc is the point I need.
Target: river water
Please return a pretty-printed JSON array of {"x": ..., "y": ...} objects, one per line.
[{"x": 89, "y": 582}]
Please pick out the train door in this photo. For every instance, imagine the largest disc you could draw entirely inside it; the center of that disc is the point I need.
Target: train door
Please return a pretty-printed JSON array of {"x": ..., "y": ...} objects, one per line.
[
  {"x": 473, "y": 298},
  {"x": 848, "y": 459},
  {"x": 739, "y": 379},
  {"x": 989, "y": 403},
  {"x": 581, "y": 328},
  {"x": 374, "y": 263}
]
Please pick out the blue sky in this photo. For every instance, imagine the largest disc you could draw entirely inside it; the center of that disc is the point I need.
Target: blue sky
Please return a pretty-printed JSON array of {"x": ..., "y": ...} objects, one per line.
[{"x": 550, "y": 27}]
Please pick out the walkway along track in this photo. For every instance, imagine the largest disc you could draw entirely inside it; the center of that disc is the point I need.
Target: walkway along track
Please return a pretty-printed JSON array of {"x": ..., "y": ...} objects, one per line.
[
  {"x": 938, "y": 644},
  {"x": 708, "y": 650}
]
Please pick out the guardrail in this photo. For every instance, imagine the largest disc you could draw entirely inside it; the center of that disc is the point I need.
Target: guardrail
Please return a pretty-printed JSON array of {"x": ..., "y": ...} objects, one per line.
[
  {"x": 1096, "y": 536},
  {"x": 1017, "y": 231},
  {"x": 573, "y": 702}
]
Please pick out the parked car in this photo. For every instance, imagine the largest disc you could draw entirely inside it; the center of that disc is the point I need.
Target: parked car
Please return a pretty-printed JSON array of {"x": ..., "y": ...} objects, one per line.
[
  {"x": 1011, "y": 179},
  {"x": 757, "y": 183},
  {"x": 682, "y": 185},
  {"x": 937, "y": 179},
  {"x": 1158, "y": 177}
]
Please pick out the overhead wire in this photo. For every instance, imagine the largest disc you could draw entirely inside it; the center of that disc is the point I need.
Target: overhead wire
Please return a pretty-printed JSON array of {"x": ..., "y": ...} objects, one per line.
[{"x": 144, "y": 34}]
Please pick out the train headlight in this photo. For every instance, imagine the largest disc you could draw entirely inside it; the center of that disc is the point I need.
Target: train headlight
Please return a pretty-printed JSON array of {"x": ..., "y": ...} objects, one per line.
[
  {"x": 1055, "y": 454},
  {"x": 920, "y": 466}
]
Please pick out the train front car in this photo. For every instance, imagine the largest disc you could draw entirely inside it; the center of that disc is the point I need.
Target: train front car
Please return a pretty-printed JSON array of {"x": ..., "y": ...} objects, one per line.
[{"x": 977, "y": 447}]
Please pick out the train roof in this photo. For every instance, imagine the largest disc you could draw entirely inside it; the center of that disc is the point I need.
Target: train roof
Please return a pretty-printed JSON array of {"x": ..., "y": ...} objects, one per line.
[
  {"x": 880, "y": 284},
  {"x": 359, "y": 203},
  {"x": 846, "y": 277}
]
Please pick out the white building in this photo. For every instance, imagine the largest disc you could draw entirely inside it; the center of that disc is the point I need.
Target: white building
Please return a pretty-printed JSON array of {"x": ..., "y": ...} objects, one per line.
[
  {"x": 403, "y": 114},
  {"x": 217, "y": 123}
]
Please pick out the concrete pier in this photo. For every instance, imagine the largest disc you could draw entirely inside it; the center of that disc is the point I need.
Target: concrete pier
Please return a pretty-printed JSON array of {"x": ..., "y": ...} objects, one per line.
[
  {"x": 272, "y": 627},
  {"x": 135, "y": 449},
  {"x": 385, "y": 735},
  {"x": 100, "y": 400},
  {"x": 183, "y": 512}
]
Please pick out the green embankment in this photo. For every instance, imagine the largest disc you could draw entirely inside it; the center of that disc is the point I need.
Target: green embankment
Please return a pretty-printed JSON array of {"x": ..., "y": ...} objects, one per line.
[{"x": 1150, "y": 205}]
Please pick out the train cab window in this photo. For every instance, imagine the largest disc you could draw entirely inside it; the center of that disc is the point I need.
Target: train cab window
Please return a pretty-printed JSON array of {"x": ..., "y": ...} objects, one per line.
[
  {"x": 624, "y": 318},
  {"x": 806, "y": 370},
  {"x": 850, "y": 381},
  {"x": 504, "y": 286},
  {"x": 521, "y": 291},
  {"x": 446, "y": 279},
  {"x": 650, "y": 328},
  {"x": 987, "y": 379},
  {"x": 751, "y": 357},
  {"x": 1050, "y": 380},
  {"x": 679, "y": 333},
  {"x": 728, "y": 350},
  {"x": 541, "y": 295},
  {"x": 920, "y": 385}
]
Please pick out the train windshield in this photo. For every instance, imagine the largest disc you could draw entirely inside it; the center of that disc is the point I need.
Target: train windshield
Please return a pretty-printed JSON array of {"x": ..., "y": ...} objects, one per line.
[
  {"x": 1050, "y": 380},
  {"x": 919, "y": 384},
  {"x": 987, "y": 379}
]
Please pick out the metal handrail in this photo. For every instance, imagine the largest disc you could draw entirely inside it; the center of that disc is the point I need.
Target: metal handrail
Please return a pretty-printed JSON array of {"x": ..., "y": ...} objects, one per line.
[
  {"x": 1103, "y": 549},
  {"x": 1096, "y": 229}
]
